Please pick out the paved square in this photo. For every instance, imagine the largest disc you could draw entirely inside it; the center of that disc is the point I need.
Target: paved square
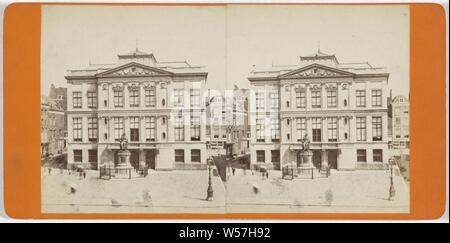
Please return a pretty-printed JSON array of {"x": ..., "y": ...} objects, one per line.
[
  {"x": 342, "y": 192},
  {"x": 160, "y": 192}
]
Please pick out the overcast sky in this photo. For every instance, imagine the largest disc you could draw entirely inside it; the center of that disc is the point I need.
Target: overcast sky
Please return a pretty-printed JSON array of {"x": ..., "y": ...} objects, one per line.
[{"x": 227, "y": 40}]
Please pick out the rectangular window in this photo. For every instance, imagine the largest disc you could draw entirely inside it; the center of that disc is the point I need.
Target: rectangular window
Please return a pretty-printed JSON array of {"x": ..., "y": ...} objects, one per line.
[
  {"x": 195, "y": 155},
  {"x": 361, "y": 129},
  {"x": 195, "y": 98},
  {"x": 376, "y": 98},
  {"x": 301, "y": 128},
  {"x": 361, "y": 155},
  {"x": 150, "y": 97},
  {"x": 179, "y": 128},
  {"x": 134, "y": 97},
  {"x": 300, "y": 98},
  {"x": 317, "y": 129},
  {"x": 150, "y": 129},
  {"x": 275, "y": 130},
  {"x": 195, "y": 128},
  {"x": 77, "y": 155},
  {"x": 360, "y": 98},
  {"x": 378, "y": 155},
  {"x": 377, "y": 129},
  {"x": 260, "y": 136},
  {"x": 178, "y": 97},
  {"x": 260, "y": 156},
  {"x": 179, "y": 155},
  {"x": 134, "y": 129},
  {"x": 332, "y": 129},
  {"x": 92, "y": 99},
  {"x": 275, "y": 156},
  {"x": 260, "y": 100},
  {"x": 118, "y": 128},
  {"x": 76, "y": 99},
  {"x": 316, "y": 99},
  {"x": 92, "y": 129},
  {"x": 77, "y": 129},
  {"x": 274, "y": 100},
  {"x": 118, "y": 98},
  {"x": 92, "y": 155},
  {"x": 331, "y": 98}
]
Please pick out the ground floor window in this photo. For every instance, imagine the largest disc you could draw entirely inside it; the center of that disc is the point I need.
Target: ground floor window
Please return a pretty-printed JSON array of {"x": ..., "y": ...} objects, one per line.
[
  {"x": 378, "y": 155},
  {"x": 179, "y": 155},
  {"x": 92, "y": 155},
  {"x": 260, "y": 156},
  {"x": 361, "y": 155},
  {"x": 195, "y": 155},
  {"x": 275, "y": 156},
  {"x": 77, "y": 155}
]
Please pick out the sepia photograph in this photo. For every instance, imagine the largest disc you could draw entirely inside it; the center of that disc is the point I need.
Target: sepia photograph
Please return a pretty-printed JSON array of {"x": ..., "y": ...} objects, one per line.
[{"x": 225, "y": 109}]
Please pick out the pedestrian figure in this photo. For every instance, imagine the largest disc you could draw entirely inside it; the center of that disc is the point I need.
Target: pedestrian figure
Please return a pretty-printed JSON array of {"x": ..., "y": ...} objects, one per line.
[
  {"x": 233, "y": 170},
  {"x": 49, "y": 170},
  {"x": 84, "y": 174},
  {"x": 267, "y": 174},
  {"x": 255, "y": 188}
]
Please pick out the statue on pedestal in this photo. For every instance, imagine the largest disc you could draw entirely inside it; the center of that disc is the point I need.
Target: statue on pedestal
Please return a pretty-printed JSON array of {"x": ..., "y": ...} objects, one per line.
[
  {"x": 124, "y": 154},
  {"x": 305, "y": 142},
  {"x": 306, "y": 153},
  {"x": 123, "y": 142}
]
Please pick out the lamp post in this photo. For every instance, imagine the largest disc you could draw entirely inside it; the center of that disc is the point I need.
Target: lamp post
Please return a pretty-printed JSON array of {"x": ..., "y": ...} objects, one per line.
[
  {"x": 209, "y": 191},
  {"x": 392, "y": 188}
]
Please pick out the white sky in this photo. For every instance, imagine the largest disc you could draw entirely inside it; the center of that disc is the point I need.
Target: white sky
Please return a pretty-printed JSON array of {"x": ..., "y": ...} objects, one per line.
[{"x": 227, "y": 40}]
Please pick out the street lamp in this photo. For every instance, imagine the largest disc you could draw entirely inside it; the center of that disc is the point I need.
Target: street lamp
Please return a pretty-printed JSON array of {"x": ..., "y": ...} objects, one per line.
[
  {"x": 209, "y": 191},
  {"x": 392, "y": 188}
]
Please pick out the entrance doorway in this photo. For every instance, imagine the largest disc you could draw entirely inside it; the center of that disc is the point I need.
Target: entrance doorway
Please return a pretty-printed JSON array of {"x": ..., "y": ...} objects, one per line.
[
  {"x": 317, "y": 158},
  {"x": 332, "y": 159},
  {"x": 134, "y": 158},
  {"x": 150, "y": 159}
]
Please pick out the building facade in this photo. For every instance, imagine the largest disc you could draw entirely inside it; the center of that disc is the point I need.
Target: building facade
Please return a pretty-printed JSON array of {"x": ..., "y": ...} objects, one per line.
[
  {"x": 157, "y": 105},
  {"x": 341, "y": 107},
  {"x": 227, "y": 121},
  {"x": 400, "y": 122},
  {"x": 53, "y": 131}
]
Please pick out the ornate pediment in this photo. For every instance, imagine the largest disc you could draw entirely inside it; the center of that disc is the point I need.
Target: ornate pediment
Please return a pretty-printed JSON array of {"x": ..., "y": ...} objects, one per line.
[
  {"x": 316, "y": 71},
  {"x": 133, "y": 69}
]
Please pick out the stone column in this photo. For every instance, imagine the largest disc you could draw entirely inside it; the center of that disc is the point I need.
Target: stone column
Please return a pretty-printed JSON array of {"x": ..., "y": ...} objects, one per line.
[
  {"x": 324, "y": 162},
  {"x": 141, "y": 158}
]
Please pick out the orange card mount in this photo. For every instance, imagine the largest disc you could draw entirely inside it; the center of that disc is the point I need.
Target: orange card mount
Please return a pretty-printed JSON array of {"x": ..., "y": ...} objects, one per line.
[{"x": 22, "y": 105}]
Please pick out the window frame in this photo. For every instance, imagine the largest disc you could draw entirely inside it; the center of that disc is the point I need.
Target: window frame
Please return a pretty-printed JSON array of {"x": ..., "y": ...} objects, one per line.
[
  {"x": 77, "y": 102},
  {"x": 118, "y": 98},
  {"x": 92, "y": 99},
  {"x": 92, "y": 129}
]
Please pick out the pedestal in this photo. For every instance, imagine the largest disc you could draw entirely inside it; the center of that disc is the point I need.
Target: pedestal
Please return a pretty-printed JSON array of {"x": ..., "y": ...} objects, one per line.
[
  {"x": 306, "y": 159},
  {"x": 124, "y": 159}
]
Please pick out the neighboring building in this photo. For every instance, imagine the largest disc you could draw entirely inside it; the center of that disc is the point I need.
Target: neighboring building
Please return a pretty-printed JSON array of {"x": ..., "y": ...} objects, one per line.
[
  {"x": 340, "y": 106},
  {"x": 400, "y": 122},
  {"x": 227, "y": 124},
  {"x": 52, "y": 127},
  {"x": 156, "y": 104}
]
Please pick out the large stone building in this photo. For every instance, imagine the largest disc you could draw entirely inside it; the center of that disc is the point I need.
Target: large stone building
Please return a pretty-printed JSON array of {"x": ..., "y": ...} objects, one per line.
[
  {"x": 400, "y": 122},
  {"x": 157, "y": 105},
  {"x": 342, "y": 107}
]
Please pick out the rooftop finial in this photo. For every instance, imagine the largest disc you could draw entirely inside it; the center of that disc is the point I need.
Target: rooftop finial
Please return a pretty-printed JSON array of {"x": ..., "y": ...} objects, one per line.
[
  {"x": 318, "y": 47},
  {"x": 137, "y": 45}
]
